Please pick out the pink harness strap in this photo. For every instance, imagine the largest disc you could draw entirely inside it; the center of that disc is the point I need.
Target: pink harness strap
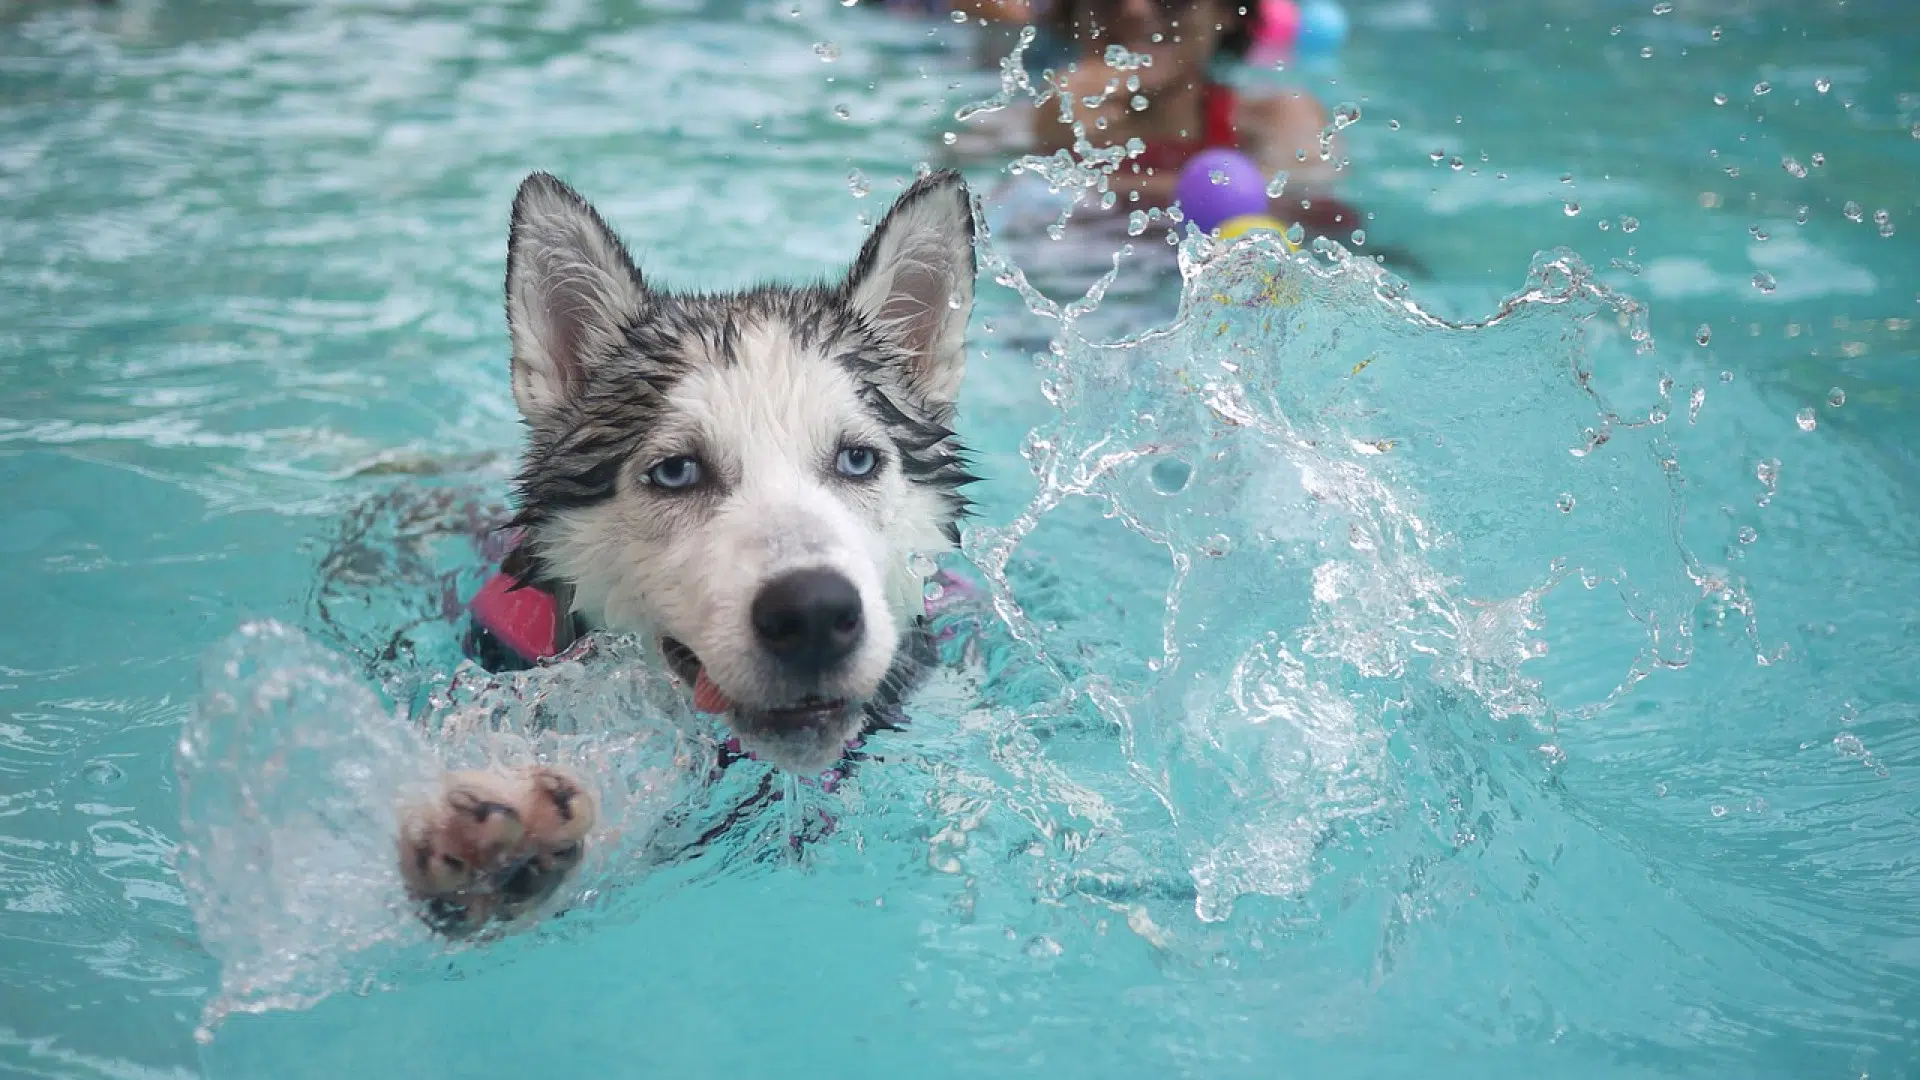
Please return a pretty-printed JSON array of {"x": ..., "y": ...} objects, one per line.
[{"x": 522, "y": 617}]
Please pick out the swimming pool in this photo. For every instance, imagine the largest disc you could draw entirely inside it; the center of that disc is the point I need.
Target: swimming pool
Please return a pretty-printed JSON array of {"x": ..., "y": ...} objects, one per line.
[{"x": 1384, "y": 794}]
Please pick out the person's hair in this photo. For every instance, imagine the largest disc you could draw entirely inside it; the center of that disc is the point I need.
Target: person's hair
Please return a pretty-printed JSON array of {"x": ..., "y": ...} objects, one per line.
[{"x": 1235, "y": 39}]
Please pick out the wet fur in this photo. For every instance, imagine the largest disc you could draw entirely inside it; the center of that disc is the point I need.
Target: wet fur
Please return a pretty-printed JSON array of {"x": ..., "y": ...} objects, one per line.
[{"x": 764, "y": 388}]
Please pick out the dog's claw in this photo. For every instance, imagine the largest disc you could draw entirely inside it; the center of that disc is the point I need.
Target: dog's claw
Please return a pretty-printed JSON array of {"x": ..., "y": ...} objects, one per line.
[{"x": 494, "y": 845}]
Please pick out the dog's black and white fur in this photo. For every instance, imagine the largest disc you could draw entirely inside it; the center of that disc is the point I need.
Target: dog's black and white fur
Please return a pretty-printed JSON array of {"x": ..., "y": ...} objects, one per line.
[{"x": 755, "y": 480}]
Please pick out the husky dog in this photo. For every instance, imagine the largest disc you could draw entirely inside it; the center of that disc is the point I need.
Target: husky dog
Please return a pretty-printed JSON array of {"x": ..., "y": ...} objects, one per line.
[{"x": 750, "y": 479}]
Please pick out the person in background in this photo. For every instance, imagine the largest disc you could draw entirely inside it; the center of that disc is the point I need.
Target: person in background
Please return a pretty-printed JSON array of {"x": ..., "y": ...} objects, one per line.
[{"x": 1189, "y": 105}]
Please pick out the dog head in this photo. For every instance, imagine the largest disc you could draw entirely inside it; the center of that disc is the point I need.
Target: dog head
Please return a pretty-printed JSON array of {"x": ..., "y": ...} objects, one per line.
[{"x": 754, "y": 479}]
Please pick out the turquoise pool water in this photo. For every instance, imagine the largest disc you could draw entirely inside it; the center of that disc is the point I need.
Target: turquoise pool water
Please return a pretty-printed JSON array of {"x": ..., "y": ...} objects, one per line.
[{"x": 1454, "y": 752}]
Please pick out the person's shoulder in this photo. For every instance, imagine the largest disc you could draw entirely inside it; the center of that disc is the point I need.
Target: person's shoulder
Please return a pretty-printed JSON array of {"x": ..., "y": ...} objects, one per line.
[{"x": 1285, "y": 109}]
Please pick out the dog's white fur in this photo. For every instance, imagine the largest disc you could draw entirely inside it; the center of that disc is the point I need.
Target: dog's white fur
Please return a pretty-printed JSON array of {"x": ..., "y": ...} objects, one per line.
[
  {"x": 773, "y": 420},
  {"x": 766, "y": 423}
]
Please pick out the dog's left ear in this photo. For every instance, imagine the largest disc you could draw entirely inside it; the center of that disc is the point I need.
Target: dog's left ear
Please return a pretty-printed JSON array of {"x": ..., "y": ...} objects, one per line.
[{"x": 913, "y": 282}]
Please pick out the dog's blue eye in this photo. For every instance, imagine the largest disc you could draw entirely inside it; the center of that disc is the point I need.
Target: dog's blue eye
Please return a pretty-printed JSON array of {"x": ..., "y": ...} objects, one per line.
[
  {"x": 675, "y": 473},
  {"x": 856, "y": 461}
]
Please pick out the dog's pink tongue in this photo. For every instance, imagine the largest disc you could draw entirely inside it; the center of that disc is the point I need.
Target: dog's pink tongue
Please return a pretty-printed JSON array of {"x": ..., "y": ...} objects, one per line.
[{"x": 707, "y": 697}]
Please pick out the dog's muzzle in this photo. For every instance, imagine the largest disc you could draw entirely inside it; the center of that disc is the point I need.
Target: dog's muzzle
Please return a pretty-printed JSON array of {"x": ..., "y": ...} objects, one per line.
[{"x": 809, "y": 621}]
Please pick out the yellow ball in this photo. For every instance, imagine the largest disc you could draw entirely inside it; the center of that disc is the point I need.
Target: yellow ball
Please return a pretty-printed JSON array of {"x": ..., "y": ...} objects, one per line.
[{"x": 1233, "y": 228}]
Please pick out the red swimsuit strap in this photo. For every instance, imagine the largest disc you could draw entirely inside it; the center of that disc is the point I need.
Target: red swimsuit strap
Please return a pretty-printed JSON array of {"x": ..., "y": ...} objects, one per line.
[{"x": 1217, "y": 104}]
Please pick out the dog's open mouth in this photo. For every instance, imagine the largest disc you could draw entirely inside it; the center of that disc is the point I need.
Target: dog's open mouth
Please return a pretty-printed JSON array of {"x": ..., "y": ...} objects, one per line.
[
  {"x": 803, "y": 737},
  {"x": 809, "y": 712}
]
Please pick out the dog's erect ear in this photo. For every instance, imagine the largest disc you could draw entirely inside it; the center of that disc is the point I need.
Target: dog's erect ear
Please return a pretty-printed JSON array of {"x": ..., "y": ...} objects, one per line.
[
  {"x": 914, "y": 282},
  {"x": 571, "y": 290}
]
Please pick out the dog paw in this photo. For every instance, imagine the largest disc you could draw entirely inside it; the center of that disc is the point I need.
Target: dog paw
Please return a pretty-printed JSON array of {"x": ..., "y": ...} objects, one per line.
[{"x": 493, "y": 845}]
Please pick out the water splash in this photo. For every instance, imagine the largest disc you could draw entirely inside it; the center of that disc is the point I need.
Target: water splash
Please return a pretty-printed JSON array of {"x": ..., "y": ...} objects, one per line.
[
  {"x": 1362, "y": 512},
  {"x": 292, "y": 773}
]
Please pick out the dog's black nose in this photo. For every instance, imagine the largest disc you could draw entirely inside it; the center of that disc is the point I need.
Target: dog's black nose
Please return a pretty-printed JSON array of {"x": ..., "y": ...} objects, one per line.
[{"x": 809, "y": 620}]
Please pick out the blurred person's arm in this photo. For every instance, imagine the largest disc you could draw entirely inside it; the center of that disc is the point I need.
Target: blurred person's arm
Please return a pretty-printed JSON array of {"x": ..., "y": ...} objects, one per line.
[{"x": 1280, "y": 131}]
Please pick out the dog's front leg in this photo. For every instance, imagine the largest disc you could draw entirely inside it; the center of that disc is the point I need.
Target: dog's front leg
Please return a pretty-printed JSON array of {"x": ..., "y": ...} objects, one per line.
[{"x": 493, "y": 845}]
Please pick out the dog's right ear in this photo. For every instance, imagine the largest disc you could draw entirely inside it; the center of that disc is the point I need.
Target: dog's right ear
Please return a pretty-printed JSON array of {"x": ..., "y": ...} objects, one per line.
[
  {"x": 913, "y": 281},
  {"x": 571, "y": 291}
]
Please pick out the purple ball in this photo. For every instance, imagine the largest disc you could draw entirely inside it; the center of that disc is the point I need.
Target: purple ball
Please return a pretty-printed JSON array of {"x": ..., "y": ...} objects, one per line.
[{"x": 1240, "y": 189}]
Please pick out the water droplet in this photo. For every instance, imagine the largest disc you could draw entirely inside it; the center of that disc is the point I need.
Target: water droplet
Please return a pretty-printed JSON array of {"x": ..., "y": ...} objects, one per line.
[
  {"x": 1805, "y": 419},
  {"x": 1794, "y": 168},
  {"x": 1133, "y": 84},
  {"x": 1565, "y": 503},
  {"x": 1800, "y": 216},
  {"x": 1393, "y": 125},
  {"x": 922, "y": 564},
  {"x": 1571, "y": 209},
  {"x": 1170, "y": 476},
  {"x": 1886, "y": 228},
  {"x": 840, "y": 112},
  {"x": 795, "y": 12},
  {"x": 1767, "y": 472},
  {"x": 1836, "y": 397},
  {"x": 1662, "y": 8},
  {"x": 1359, "y": 238},
  {"x": 1818, "y": 159},
  {"x": 827, "y": 51},
  {"x": 1138, "y": 103},
  {"x": 1762, "y": 88},
  {"x": 1703, "y": 334},
  {"x": 1718, "y": 811},
  {"x": 959, "y": 18},
  {"x": 103, "y": 774},
  {"x": 1660, "y": 790},
  {"x": 1764, "y": 282},
  {"x": 1042, "y": 947},
  {"x": 1616, "y": 30},
  {"x": 1726, "y": 376},
  {"x": 1278, "y": 185},
  {"x": 1746, "y": 534},
  {"x": 1296, "y": 234},
  {"x": 1456, "y": 164},
  {"x": 1136, "y": 223},
  {"x": 949, "y": 138},
  {"x": 1853, "y": 211},
  {"x": 1719, "y": 99},
  {"x": 1629, "y": 224},
  {"x": 1694, "y": 401},
  {"x": 858, "y": 184},
  {"x": 1757, "y": 233},
  {"x": 1715, "y": 33},
  {"x": 1604, "y": 224},
  {"x": 1823, "y": 84},
  {"x": 1438, "y": 156}
]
